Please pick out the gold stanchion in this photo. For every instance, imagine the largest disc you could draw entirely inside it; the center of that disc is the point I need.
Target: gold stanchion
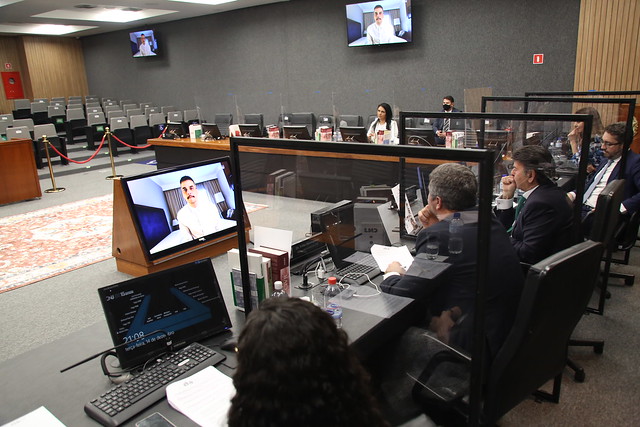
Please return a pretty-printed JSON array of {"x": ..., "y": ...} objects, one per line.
[
  {"x": 55, "y": 189},
  {"x": 113, "y": 175}
]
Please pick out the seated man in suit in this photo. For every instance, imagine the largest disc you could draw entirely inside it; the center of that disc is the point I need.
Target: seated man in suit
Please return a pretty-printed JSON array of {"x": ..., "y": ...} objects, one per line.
[
  {"x": 541, "y": 223},
  {"x": 442, "y": 126},
  {"x": 612, "y": 146},
  {"x": 450, "y": 297}
]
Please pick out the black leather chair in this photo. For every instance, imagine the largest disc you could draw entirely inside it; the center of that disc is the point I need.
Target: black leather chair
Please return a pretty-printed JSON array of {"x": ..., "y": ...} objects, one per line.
[
  {"x": 555, "y": 295},
  {"x": 626, "y": 237},
  {"x": 604, "y": 225}
]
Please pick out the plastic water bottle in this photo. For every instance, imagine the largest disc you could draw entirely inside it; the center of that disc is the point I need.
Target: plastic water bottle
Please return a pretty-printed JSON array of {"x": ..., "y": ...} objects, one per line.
[
  {"x": 332, "y": 303},
  {"x": 455, "y": 234},
  {"x": 278, "y": 292}
]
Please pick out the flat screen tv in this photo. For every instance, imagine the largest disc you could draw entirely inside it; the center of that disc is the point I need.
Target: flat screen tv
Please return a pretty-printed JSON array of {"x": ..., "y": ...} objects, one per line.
[
  {"x": 171, "y": 216},
  {"x": 143, "y": 43},
  {"x": 379, "y": 22}
]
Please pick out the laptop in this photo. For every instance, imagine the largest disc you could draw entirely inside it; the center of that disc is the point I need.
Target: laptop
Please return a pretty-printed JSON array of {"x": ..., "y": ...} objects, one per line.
[
  {"x": 352, "y": 267},
  {"x": 184, "y": 303}
]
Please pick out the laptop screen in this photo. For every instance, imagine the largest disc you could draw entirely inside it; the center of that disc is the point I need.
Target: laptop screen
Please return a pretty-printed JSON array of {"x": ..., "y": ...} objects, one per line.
[{"x": 183, "y": 302}]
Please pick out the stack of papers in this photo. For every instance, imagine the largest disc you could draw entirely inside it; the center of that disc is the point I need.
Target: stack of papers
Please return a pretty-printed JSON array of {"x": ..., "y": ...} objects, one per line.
[{"x": 204, "y": 397}]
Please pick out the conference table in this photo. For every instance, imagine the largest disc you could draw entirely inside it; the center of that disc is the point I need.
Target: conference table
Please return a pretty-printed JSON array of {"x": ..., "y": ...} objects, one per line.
[{"x": 33, "y": 379}]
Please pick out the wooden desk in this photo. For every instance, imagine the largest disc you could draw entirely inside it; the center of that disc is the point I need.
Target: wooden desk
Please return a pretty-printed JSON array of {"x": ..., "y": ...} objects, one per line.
[{"x": 18, "y": 174}]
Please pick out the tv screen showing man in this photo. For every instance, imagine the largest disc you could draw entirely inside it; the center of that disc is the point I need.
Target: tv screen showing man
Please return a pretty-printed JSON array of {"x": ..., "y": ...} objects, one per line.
[
  {"x": 143, "y": 43},
  {"x": 378, "y": 22}
]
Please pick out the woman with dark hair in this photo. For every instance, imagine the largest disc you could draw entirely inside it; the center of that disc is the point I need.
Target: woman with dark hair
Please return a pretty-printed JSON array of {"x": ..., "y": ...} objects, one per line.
[
  {"x": 295, "y": 368},
  {"x": 382, "y": 123},
  {"x": 575, "y": 139}
]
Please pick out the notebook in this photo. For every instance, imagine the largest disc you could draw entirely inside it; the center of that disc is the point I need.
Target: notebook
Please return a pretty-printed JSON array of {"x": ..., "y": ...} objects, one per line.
[{"x": 183, "y": 302}]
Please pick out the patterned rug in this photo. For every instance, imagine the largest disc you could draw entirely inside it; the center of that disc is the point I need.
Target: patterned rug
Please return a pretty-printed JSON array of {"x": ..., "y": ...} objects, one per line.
[{"x": 47, "y": 242}]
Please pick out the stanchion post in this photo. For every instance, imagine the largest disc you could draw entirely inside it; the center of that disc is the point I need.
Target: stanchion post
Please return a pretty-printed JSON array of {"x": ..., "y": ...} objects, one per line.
[
  {"x": 55, "y": 189},
  {"x": 113, "y": 175}
]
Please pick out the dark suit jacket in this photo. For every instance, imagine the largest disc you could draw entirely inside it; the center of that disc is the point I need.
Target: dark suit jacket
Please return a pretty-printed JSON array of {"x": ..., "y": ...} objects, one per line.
[
  {"x": 631, "y": 200},
  {"x": 437, "y": 126},
  {"x": 456, "y": 286},
  {"x": 544, "y": 225}
]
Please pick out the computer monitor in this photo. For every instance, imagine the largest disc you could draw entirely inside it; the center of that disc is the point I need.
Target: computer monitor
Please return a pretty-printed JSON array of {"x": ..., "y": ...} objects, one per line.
[
  {"x": 250, "y": 130},
  {"x": 210, "y": 131},
  {"x": 354, "y": 134},
  {"x": 419, "y": 136},
  {"x": 296, "y": 132}
]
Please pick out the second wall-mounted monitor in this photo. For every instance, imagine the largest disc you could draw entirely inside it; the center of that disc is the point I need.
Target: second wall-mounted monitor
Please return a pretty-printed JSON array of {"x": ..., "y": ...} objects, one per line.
[
  {"x": 379, "y": 22},
  {"x": 143, "y": 43}
]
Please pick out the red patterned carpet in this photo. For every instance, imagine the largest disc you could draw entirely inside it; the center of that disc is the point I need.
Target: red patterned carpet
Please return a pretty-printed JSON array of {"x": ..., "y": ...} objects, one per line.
[
  {"x": 44, "y": 243},
  {"x": 48, "y": 242}
]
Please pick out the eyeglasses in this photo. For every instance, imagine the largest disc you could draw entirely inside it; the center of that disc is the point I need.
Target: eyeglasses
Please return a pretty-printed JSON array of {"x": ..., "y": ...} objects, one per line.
[{"x": 611, "y": 144}]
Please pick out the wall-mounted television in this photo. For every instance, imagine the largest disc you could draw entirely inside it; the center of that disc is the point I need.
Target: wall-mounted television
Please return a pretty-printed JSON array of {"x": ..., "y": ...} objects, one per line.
[
  {"x": 379, "y": 22},
  {"x": 143, "y": 43},
  {"x": 181, "y": 207}
]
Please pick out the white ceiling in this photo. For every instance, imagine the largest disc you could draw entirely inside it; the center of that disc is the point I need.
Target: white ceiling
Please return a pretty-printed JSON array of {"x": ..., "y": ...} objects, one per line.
[{"x": 19, "y": 17}]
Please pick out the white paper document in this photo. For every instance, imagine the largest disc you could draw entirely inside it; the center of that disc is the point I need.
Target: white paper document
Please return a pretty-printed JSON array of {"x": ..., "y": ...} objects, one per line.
[
  {"x": 40, "y": 417},
  {"x": 205, "y": 397},
  {"x": 384, "y": 255}
]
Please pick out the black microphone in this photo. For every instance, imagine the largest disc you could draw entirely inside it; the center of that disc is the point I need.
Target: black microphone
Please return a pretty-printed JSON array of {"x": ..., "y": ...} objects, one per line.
[{"x": 169, "y": 344}]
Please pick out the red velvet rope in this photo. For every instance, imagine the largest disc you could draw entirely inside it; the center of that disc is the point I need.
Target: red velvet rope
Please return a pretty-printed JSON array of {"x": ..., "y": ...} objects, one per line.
[
  {"x": 83, "y": 161},
  {"x": 130, "y": 146}
]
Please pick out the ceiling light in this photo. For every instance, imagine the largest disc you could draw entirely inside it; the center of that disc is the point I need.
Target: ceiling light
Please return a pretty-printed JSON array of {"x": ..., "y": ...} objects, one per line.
[
  {"x": 42, "y": 29},
  {"x": 104, "y": 14},
  {"x": 8, "y": 2},
  {"x": 209, "y": 2}
]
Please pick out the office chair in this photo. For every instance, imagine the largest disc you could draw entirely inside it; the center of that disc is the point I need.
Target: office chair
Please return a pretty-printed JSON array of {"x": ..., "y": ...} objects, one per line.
[
  {"x": 625, "y": 237},
  {"x": 6, "y": 120},
  {"x": 603, "y": 228},
  {"x": 255, "y": 119},
  {"x": 96, "y": 124},
  {"x": 140, "y": 128},
  {"x": 75, "y": 124},
  {"x": 28, "y": 123},
  {"x": 223, "y": 121},
  {"x": 555, "y": 295},
  {"x": 48, "y": 130},
  {"x": 306, "y": 119},
  {"x": 156, "y": 123},
  {"x": 39, "y": 112},
  {"x": 119, "y": 127},
  {"x": 165, "y": 109},
  {"x": 326, "y": 120},
  {"x": 350, "y": 120},
  {"x": 21, "y": 109},
  {"x": 191, "y": 117}
]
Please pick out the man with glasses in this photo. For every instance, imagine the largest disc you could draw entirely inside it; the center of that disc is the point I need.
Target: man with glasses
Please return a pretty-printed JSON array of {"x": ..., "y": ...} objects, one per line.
[
  {"x": 612, "y": 146},
  {"x": 540, "y": 223}
]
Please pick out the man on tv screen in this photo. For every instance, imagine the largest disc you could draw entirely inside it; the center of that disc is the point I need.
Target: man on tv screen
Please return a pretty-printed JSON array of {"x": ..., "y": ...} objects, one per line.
[
  {"x": 145, "y": 48},
  {"x": 380, "y": 31},
  {"x": 199, "y": 217}
]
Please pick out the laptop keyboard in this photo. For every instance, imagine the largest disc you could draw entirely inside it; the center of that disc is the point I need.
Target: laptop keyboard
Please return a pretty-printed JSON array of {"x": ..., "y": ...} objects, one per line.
[{"x": 125, "y": 400}]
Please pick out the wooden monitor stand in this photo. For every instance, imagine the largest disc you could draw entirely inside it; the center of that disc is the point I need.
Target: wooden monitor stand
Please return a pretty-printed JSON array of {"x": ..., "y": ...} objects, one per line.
[{"x": 128, "y": 250}]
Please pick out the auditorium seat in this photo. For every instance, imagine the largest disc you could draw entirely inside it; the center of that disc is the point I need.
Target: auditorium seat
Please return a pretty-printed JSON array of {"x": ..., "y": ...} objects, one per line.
[
  {"x": 48, "y": 130},
  {"x": 75, "y": 125},
  {"x": 156, "y": 123},
  {"x": 39, "y": 112},
  {"x": 96, "y": 124},
  {"x": 140, "y": 128},
  {"x": 57, "y": 117},
  {"x": 21, "y": 109}
]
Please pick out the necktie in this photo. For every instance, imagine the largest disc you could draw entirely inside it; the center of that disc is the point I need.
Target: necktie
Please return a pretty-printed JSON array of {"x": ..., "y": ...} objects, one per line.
[
  {"x": 447, "y": 125},
  {"x": 596, "y": 180},
  {"x": 521, "y": 202}
]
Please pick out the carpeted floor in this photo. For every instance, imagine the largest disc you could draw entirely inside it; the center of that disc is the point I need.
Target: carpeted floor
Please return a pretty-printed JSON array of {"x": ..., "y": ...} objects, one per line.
[{"x": 47, "y": 242}]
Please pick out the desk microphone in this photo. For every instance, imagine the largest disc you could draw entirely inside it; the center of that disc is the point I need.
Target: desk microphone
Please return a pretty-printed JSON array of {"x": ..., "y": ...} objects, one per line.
[{"x": 168, "y": 342}]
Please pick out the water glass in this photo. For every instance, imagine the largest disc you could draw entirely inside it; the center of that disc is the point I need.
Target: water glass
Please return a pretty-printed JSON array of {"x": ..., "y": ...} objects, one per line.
[{"x": 433, "y": 246}]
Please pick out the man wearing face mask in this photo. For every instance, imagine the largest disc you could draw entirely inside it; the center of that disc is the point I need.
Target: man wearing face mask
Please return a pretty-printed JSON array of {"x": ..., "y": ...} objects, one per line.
[{"x": 441, "y": 126}]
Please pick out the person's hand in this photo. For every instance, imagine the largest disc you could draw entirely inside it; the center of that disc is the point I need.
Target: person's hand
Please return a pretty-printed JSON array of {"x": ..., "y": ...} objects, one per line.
[
  {"x": 395, "y": 267},
  {"x": 443, "y": 324},
  {"x": 440, "y": 134},
  {"x": 508, "y": 187},
  {"x": 571, "y": 195},
  {"x": 590, "y": 168},
  {"x": 427, "y": 217}
]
